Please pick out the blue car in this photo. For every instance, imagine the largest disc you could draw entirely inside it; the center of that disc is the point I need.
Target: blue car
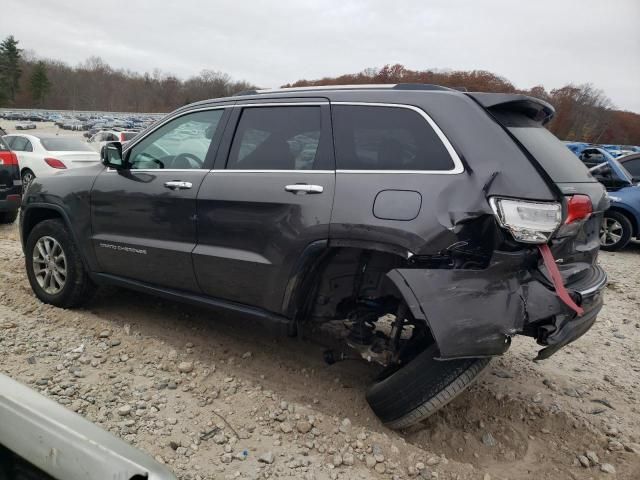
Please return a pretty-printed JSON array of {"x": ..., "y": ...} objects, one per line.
[{"x": 622, "y": 220}]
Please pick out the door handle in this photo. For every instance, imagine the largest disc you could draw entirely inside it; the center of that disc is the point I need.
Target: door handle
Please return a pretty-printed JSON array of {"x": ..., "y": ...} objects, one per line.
[
  {"x": 178, "y": 185},
  {"x": 303, "y": 188}
]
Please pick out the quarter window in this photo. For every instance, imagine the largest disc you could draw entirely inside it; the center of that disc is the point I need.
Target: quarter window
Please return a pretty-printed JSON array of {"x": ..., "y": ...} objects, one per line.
[
  {"x": 21, "y": 144},
  {"x": 182, "y": 143},
  {"x": 276, "y": 138},
  {"x": 386, "y": 138}
]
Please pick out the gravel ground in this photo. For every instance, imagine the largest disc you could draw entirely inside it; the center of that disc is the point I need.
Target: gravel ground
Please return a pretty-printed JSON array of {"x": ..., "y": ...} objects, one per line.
[{"x": 216, "y": 396}]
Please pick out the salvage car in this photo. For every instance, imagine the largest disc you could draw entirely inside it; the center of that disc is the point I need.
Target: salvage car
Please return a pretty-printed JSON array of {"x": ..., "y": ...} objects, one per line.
[
  {"x": 25, "y": 126},
  {"x": 10, "y": 184},
  {"x": 435, "y": 224},
  {"x": 40, "y": 439},
  {"x": 622, "y": 219},
  {"x": 44, "y": 155}
]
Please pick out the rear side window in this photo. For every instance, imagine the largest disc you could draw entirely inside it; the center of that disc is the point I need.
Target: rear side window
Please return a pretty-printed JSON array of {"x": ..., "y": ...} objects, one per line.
[
  {"x": 21, "y": 144},
  {"x": 633, "y": 166},
  {"x": 126, "y": 136},
  {"x": 386, "y": 138},
  {"x": 276, "y": 138},
  {"x": 3, "y": 146}
]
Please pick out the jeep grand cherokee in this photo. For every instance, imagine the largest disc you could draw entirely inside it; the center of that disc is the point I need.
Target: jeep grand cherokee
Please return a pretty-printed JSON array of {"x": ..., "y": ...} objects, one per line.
[{"x": 436, "y": 224}]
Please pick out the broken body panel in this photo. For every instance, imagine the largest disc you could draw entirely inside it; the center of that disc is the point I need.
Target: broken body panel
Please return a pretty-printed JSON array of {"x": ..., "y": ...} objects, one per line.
[{"x": 472, "y": 285}]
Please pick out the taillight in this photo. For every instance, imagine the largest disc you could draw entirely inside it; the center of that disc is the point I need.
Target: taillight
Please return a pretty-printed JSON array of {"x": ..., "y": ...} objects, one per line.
[
  {"x": 8, "y": 158},
  {"x": 528, "y": 222},
  {"x": 54, "y": 163},
  {"x": 121, "y": 137},
  {"x": 578, "y": 208}
]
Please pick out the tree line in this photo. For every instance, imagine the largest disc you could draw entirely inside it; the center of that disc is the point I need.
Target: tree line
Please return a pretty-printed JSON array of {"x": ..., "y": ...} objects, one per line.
[{"x": 583, "y": 113}]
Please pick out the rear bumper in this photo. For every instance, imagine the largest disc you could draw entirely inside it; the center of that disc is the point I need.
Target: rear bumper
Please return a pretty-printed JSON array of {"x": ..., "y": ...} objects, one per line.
[
  {"x": 564, "y": 328},
  {"x": 10, "y": 202},
  {"x": 475, "y": 313}
]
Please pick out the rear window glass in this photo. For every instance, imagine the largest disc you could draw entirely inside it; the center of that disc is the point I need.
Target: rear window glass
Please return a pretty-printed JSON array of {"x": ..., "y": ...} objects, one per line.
[
  {"x": 61, "y": 144},
  {"x": 557, "y": 160},
  {"x": 126, "y": 136},
  {"x": 386, "y": 138}
]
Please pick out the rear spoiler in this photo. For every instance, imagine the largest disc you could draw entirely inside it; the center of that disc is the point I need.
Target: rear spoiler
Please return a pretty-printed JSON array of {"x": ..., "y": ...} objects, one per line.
[{"x": 533, "y": 108}]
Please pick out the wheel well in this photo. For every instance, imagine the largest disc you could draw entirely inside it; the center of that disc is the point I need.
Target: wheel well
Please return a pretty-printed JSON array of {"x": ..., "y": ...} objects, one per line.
[
  {"x": 630, "y": 217},
  {"x": 345, "y": 275},
  {"x": 34, "y": 216},
  {"x": 25, "y": 169}
]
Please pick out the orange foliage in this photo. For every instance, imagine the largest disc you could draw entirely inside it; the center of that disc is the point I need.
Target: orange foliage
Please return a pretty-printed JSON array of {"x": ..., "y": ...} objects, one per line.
[{"x": 583, "y": 113}]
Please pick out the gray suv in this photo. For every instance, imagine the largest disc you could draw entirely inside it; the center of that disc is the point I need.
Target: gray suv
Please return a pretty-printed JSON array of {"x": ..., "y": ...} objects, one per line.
[{"x": 435, "y": 225}]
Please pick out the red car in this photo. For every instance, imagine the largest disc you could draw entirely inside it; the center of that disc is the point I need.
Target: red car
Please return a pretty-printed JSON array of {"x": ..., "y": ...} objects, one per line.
[{"x": 10, "y": 184}]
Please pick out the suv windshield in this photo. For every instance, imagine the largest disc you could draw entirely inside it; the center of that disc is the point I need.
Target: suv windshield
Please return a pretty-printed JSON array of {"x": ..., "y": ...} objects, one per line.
[{"x": 62, "y": 144}]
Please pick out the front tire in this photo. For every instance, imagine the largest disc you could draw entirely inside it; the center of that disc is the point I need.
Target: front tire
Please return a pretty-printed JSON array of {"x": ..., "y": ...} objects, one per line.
[
  {"x": 422, "y": 387},
  {"x": 615, "y": 232},
  {"x": 54, "y": 266}
]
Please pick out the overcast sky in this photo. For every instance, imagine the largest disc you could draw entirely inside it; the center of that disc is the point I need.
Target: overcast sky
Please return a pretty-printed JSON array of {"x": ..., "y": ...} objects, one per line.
[{"x": 269, "y": 43}]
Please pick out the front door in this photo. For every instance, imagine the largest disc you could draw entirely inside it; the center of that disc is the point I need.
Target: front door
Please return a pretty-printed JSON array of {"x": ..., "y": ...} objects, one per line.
[
  {"x": 144, "y": 217},
  {"x": 269, "y": 197}
]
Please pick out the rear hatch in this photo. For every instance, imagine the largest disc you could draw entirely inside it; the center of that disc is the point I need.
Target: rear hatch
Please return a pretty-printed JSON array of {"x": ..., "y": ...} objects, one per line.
[{"x": 574, "y": 245}]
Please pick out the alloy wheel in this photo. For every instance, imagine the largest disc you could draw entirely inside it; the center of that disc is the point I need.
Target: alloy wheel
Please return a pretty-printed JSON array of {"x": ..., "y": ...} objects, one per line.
[
  {"x": 50, "y": 265},
  {"x": 611, "y": 232},
  {"x": 27, "y": 178}
]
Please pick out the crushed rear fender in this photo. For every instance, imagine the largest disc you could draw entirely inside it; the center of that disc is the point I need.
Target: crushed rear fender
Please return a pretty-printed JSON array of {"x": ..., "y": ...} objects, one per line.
[{"x": 475, "y": 313}]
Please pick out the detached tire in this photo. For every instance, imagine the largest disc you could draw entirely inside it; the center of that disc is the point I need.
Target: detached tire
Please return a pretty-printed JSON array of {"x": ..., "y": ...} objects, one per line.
[
  {"x": 615, "y": 232},
  {"x": 421, "y": 388},
  {"x": 54, "y": 266}
]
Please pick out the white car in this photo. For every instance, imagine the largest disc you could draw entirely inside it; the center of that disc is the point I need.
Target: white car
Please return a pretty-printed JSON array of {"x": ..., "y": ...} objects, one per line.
[
  {"x": 41, "y": 156},
  {"x": 103, "y": 137},
  {"x": 25, "y": 126}
]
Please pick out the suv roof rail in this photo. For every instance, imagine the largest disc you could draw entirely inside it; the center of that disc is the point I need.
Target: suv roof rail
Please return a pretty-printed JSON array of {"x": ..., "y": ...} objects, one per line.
[{"x": 364, "y": 86}]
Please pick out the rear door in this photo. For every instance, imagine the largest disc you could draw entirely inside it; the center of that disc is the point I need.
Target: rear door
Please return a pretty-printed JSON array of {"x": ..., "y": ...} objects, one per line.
[
  {"x": 144, "y": 218},
  {"x": 267, "y": 200}
]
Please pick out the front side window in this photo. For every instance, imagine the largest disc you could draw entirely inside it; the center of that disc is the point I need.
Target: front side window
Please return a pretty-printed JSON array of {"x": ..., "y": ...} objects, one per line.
[
  {"x": 182, "y": 143},
  {"x": 386, "y": 138},
  {"x": 276, "y": 138}
]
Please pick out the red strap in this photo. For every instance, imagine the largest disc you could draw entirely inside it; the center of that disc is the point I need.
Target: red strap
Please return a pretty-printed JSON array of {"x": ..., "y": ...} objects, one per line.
[{"x": 556, "y": 278}]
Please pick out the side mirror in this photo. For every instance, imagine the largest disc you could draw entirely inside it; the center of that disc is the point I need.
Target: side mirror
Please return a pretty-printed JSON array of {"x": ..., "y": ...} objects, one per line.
[{"x": 111, "y": 155}]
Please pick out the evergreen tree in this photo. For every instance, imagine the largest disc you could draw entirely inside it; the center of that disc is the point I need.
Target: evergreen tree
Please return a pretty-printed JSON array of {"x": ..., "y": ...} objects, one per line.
[
  {"x": 10, "y": 71},
  {"x": 39, "y": 83}
]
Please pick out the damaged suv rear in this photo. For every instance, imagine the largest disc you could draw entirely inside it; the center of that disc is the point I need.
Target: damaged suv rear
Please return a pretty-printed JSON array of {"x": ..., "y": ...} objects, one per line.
[{"x": 435, "y": 224}]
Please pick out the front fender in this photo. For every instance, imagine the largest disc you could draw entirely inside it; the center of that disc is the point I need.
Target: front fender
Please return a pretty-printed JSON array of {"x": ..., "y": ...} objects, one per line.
[{"x": 67, "y": 196}]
